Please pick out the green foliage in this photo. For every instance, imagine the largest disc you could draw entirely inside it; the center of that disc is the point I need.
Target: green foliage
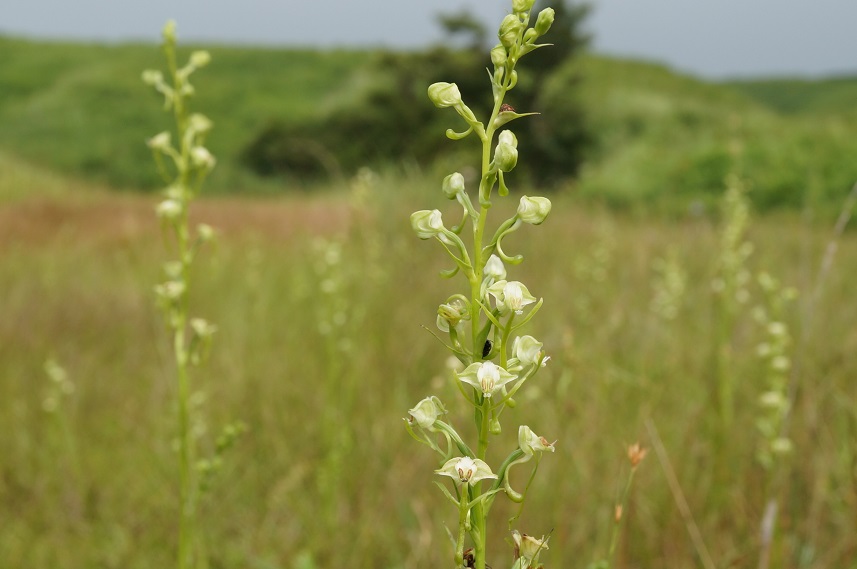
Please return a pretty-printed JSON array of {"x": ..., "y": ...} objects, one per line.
[
  {"x": 78, "y": 108},
  {"x": 389, "y": 118},
  {"x": 653, "y": 139},
  {"x": 667, "y": 141},
  {"x": 802, "y": 96}
]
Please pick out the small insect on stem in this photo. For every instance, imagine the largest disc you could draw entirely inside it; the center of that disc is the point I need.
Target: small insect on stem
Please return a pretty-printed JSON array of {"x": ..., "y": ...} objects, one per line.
[
  {"x": 505, "y": 107},
  {"x": 486, "y": 349},
  {"x": 470, "y": 559}
]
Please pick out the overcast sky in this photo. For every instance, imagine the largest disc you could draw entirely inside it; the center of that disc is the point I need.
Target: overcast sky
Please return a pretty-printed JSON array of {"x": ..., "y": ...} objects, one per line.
[{"x": 710, "y": 38}]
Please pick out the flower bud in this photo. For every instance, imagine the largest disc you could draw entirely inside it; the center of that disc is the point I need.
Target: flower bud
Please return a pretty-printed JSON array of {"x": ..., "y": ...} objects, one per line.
[
  {"x": 510, "y": 29},
  {"x": 544, "y": 21},
  {"x": 636, "y": 454},
  {"x": 202, "y": 328},
  {"x": 200, "y": 58},
  {"x": 773, "y": 400},
  {"x": 426, "y": 412},
  {"x": 444, "y": 94},
  {"x": 187, "y": 90},
  {"x": 205, "y": 232},
  {"x": 530, "y": 443},
  {"x": 522, "y": 5},
  {"x": 169, "y": 209},
  {"x": 160, "y": 141},
  {"x": 427, "y": 224},
  {"x": 453, "y": 185},
  {"x": 170, "y": 290},
  {"x": 528, "y": 350},
  {"x": 152, "y": 77},
  {"x": 508, "y": 137},
  {"x": 505, "y": 156},
  {"x": 199, "y": 123},
  {"x": 494, "y": 268},
  {"x": 781, "y": 446},
  {"x": 169, "y": 31},
  {"x": 528, "y": 548},
  {"x": 202, "y": 157},
  {"x": 530, "y": 36},
  {"x": 453, "y": 312},
  {"x": 534, "y": 210},
  {"x": 498, "y": 55}
]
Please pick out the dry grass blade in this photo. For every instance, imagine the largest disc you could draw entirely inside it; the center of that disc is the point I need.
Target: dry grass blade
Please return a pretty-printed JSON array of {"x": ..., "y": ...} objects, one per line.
[{"x": 678, "y": 496}]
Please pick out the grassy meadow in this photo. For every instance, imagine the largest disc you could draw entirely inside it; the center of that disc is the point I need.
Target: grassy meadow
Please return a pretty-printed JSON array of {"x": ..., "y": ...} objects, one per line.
[{"x": 320, "y": 298}]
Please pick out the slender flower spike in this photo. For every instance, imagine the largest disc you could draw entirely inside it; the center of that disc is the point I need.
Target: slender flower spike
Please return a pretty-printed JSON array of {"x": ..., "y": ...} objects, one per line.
[
  {"x": 426, "y": 413},
  {"x": 511, "y": 295},
  {"x": 534, "y": 210},
  {"x": 466, "y": 470},
  {"x": 530, "y": 443},
  {"x": 487, "y": 377},
  {"x": 444, "y": 95},
  {"x": 427, "y": 224},
  {"x": 528, "y": 350}
]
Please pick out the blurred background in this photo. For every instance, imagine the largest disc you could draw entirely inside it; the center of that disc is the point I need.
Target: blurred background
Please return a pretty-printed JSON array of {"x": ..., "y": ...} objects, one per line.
[
  {"x": 660, "y": 88},
  {"x": 684, "y": 146}
]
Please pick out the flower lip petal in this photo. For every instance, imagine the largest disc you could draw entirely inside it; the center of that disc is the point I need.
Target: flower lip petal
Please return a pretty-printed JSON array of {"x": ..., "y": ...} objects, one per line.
[
  {"x": 466, "y": 470},
  {"x": 487, "y": 377}
]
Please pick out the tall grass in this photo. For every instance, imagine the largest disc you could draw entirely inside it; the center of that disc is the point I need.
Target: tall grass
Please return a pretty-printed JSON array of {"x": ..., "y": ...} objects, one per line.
[{"x": 76, "y": 287}]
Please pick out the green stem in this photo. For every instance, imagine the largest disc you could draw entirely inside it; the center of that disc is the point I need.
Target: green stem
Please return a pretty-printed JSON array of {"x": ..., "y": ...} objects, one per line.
[{"x": 617, "y": 523}]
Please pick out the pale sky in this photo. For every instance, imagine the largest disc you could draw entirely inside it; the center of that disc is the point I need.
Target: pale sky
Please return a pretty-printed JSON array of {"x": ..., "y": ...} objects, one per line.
[{"x": 710, "y": 38}]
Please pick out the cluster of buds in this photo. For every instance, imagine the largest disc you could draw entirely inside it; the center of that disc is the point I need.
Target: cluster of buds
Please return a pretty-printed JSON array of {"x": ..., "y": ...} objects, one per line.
[
  {"x": 185, "y": 165},
  {"x": 482, "y": 326}
]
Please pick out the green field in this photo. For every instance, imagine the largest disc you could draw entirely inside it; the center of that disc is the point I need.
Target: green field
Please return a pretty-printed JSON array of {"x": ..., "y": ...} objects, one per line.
[{"x": 321, "y": 358}]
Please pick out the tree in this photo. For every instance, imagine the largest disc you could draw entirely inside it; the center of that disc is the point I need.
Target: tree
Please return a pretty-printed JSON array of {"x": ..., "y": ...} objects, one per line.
[{"x": 394, "y": 120}]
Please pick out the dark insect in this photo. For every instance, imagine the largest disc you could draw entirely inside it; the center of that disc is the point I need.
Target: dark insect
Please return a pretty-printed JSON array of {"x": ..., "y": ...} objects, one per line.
[
  {"x": 470, "y": 559},
  {"x": 506, "y": 107},
  {"x": 486, "y": 349}
]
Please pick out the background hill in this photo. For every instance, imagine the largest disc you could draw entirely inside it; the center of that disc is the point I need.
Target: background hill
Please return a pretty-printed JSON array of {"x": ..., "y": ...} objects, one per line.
[{"x": 658, "y": 139}]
